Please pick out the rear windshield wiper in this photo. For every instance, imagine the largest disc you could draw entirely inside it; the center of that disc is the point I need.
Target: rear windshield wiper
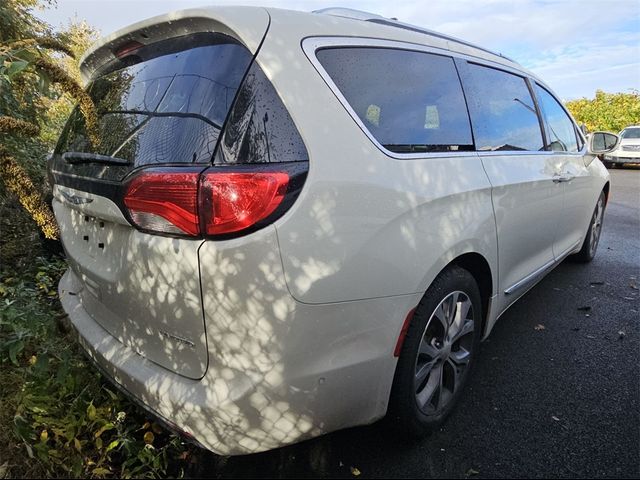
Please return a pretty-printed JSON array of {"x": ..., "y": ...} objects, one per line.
[{"x": 80, "y": 157}]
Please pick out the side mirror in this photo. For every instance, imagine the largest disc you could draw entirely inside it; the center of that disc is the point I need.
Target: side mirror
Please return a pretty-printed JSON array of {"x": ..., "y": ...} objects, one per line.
[{"x": 602, "y": 142}]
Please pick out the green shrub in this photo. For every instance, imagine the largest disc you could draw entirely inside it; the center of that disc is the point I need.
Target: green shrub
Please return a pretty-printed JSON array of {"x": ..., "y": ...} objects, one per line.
[{"x": 59, "y": 417}]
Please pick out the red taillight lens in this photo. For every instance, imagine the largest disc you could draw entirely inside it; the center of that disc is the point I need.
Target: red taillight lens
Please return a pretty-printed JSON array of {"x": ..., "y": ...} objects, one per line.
[
  {"x": 128, "y": 49},
  {"x": 233, "y": 201},
  {"x": 165, "y": 202},
  {"x": 221, "y": 202}
]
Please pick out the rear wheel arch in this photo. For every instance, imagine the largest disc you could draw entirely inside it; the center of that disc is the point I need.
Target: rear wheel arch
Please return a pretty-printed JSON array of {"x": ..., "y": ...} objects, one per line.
[{"x": 479, "y": 268}]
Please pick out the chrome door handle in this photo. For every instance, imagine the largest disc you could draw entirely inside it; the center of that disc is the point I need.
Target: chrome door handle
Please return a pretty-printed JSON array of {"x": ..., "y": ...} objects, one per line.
[{"x": 562, "y": 178}]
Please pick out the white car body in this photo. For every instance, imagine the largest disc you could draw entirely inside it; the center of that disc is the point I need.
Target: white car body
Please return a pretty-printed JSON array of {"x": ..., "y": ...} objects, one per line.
[
  {"x": 301, "y": 317},
  {"x": 628, "y": 150}
]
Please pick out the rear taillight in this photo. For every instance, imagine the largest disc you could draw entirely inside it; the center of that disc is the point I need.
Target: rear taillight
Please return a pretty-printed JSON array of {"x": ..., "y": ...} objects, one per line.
[
  {"x": 210, "y": 203},
  {"x": 164, "y": 202},
  {"x": 235, "y": 201}
]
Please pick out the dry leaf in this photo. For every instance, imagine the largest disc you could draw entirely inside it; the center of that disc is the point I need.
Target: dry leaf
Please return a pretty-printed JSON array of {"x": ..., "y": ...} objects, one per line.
[{"x": 148, "y": 438}]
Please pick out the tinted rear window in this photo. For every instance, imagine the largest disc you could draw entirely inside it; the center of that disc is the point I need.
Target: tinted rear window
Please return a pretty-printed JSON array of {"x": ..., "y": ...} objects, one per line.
[
  {"x": 165, "y": 103},
  {"x": 502, "y": 110},
  {"x": 409, "y": 101}
]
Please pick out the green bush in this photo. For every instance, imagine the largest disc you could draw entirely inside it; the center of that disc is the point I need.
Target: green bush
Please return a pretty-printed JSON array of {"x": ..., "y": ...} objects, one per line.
[
  {"x": 607, "y": 111},
  {"x": 59, "y": 417}
]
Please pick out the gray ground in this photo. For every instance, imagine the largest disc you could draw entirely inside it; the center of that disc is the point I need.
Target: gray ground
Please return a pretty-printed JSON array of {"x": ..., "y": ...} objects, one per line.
[{"x": 563, "y": 401}]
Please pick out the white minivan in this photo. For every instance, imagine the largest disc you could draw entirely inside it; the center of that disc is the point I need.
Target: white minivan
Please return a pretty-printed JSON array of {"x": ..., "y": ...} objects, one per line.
[{"x": 281, "y": 224}]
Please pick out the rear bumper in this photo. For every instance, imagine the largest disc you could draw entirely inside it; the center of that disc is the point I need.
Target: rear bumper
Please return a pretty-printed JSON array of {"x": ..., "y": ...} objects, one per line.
[
  {"x": 231, "y": 411},
  {"x": 151, "y": 386}
]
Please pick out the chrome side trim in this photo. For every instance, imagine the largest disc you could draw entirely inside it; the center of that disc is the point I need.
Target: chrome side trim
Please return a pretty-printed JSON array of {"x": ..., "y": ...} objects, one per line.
[
  {"x": 539, "y": 273},
  {"x": 530, "y": 278}
]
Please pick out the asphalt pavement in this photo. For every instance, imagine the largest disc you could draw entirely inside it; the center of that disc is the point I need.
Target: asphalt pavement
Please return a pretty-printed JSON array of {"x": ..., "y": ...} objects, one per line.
[{"x": 555, "y": 391}]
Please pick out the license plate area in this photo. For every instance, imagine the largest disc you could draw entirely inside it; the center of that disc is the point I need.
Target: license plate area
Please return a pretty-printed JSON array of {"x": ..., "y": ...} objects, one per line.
[{"x": 92, "y": 235}]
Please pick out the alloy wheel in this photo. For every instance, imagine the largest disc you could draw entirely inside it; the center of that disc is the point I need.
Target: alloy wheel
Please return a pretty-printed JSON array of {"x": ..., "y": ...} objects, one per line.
[
  {"x": 596, "y": 226},
  {"x": 444, "y": 353}
]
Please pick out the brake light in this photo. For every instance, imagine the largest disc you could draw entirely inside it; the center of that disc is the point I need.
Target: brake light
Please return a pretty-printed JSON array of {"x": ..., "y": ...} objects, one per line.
[
  {"x": 128, "y": 49},
  {"x": 233, "y": 201},
  {"x": 211, "y": 203}
]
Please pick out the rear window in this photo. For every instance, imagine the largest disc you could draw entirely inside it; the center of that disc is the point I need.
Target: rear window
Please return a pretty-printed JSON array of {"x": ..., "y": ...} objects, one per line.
[
  {"x": 411, "y": 102},
  {"x": 163, "y": 104}
]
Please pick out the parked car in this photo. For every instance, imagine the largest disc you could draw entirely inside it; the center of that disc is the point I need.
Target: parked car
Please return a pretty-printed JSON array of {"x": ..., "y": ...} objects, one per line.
[
  {"x": 628, "y": 150},
  {"x": 279, "y": 224}
]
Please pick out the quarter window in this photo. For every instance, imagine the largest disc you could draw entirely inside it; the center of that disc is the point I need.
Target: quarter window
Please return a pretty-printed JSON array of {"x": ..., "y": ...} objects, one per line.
[
  {"x": 502, "y": 110},
  {"x": 411, "y": 102},
  {"x": 561, "y": 131}
]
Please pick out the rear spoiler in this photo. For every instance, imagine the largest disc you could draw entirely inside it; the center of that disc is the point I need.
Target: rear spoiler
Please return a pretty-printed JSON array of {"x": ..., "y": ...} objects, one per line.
[{"x": 248, "y": 25}]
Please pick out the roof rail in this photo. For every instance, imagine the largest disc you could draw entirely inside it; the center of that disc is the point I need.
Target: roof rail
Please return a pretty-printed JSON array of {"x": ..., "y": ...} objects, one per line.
[
  {"x": 350, "y": 13},
  {"x": 393, "y": 22}
]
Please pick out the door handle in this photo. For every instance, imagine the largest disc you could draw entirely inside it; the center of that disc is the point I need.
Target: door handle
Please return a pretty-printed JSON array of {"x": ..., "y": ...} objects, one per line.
[{"x": 561, "y": 178}]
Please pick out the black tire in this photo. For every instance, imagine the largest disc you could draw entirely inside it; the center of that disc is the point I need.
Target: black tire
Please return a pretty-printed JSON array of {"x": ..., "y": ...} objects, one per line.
[
  {"x": 590, "y": 244},
  {"x": 405, "y": 412}
]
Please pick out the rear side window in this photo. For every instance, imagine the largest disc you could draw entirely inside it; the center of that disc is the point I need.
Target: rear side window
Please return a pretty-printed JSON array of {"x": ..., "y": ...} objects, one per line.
[
  {"x": 259, "y": 128},
  {"x": 503, "y": 113},
  {"x": 411, "y": 102},
  {"x": 560, "y": 128},
  {"x": 163, "y": 103}
]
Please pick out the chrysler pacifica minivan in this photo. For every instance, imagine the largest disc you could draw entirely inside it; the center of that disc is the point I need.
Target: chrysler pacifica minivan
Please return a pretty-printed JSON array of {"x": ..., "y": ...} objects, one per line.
[{"x": 279, "y": 224}]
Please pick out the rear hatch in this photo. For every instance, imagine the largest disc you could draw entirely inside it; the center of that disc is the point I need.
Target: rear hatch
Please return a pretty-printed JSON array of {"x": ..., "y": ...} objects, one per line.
[{"x": 159, "y": 105}]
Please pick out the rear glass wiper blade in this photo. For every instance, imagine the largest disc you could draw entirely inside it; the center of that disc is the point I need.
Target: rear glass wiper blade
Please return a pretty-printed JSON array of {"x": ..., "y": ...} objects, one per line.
[{"x": 81, "y": 157}]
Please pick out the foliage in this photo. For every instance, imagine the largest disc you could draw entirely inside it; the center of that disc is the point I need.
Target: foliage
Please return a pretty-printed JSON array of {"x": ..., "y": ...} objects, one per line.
[
  {"x": 31, "y": 60},
  {"x": 607, "y": 111},
  {"x": 65, "y": 421},
  {"x": 58, "y": 418}
]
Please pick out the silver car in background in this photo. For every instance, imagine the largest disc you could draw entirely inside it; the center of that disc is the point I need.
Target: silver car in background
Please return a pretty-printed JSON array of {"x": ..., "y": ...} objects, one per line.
[
  {"x": 281, "y": 224},
  {"x": 628, "y": 150}
]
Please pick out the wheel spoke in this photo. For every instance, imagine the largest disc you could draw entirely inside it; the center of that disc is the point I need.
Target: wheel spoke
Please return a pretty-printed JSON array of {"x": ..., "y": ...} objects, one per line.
[
  {"x": 423, "y": 371},
  {"x": 460, "y": 357},
  {"x": 452, "y": 308},
  {"x": 440, "y": 387},
  {"x": 456, "y": 375},
  {"x": 461, "y": 311},
  {"x": 441, "y": 315},
  {"x": 466, "y": 329},
  {"x": 425, "y": 395},
  {"x": 427, "y": 349}
]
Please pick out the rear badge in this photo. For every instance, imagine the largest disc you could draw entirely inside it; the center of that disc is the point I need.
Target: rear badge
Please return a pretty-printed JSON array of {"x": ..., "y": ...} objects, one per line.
[
  {"x": 75, "y": 199},
  {"x": 177, "y": 338}
]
